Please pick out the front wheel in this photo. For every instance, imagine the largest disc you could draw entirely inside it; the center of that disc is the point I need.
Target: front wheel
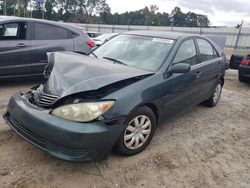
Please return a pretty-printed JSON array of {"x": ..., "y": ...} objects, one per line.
[
  {"x": 214, "y": 99},
  {"x": 140, "y": 128}
]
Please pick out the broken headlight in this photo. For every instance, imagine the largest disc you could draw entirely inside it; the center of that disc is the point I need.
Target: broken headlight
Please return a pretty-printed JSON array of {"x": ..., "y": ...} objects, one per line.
[{"x": 83, "y": 112}]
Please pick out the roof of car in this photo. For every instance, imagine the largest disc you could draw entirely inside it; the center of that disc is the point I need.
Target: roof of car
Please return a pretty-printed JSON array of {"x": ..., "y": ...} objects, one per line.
[
  {"x": 158, "y": 34},
  {"x": 61, "y": 24}
]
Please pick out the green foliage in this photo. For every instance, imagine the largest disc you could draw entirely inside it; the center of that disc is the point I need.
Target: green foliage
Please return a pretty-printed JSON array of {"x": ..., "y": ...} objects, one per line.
[
  {"x": 189, "y": 19},
  {"x": 98, "y": 11}
]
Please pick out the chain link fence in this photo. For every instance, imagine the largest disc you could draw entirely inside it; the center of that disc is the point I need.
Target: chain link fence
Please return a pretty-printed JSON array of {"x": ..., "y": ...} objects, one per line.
[{"x": 237, "y": 38}]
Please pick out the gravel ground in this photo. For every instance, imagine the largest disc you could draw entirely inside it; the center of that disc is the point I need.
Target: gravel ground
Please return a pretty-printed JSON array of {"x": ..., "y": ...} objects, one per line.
[{"x": 206, "y": 147}]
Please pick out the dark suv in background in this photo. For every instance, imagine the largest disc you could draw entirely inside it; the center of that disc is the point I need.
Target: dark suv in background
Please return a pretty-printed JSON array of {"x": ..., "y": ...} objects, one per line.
[
  {"x": 24, "y": 44},
  {"x": 244, "y": 69}
]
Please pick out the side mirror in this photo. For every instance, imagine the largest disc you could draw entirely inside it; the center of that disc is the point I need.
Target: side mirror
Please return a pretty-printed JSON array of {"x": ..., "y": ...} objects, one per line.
[{"x": 180, "y": 68}]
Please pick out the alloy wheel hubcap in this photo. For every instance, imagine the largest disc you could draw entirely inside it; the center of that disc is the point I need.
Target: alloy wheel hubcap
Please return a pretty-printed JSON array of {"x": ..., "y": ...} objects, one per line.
[
  {"x": 217, "y": 93},
  {"x": 137, "y": 132}
]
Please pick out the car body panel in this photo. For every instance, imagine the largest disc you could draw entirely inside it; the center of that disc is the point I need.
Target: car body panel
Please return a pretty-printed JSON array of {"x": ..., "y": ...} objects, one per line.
[
  {"x": 10, "y": 50},
  {"x": 244, "y": 70},
  {"x": 75, "y": 142},
  {"x": 72, "y": 75},
  {"x": 30, "y": 59},
  {"x": 235, "y": 61}
]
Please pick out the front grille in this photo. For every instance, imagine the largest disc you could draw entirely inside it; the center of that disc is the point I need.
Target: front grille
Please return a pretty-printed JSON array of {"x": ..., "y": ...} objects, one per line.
[
  {"x": 25, "y": 133},
  {"x": 45, "y": 100}
]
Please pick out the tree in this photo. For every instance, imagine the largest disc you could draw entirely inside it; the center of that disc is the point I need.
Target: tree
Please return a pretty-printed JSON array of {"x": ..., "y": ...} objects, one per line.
[
  {"x": 202, "y": 21},
  {"x": 191, "y": 19},
  {"x": 49, "y": 5},
  {"x": 90, "y": 6},
  {"x": 104, "y": 11},
  {"x": 179, "y": 17},
  {"x": 153, "y": 8},
  {"x": 98, "y": 11},
  {"x": 24, "y": 7}
]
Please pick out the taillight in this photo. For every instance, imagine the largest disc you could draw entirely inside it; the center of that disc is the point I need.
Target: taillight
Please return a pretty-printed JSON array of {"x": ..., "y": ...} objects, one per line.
[
  {"x": 91, "y": 43},
  {"x": 245, "y": 61}
]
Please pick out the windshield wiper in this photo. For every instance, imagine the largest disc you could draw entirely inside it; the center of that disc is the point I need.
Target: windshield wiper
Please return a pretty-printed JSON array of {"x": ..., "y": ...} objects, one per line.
[{"x": 115, "y": 60}]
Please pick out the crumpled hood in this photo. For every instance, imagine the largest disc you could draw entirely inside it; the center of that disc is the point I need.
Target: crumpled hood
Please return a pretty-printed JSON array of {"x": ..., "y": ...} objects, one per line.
[{"x": 73, "y": 73}]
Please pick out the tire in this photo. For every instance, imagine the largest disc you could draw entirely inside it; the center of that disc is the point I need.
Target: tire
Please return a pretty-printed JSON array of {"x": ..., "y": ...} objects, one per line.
[
  {"x": 214, "y": 99},
  {"x": 133, "y": 134}
]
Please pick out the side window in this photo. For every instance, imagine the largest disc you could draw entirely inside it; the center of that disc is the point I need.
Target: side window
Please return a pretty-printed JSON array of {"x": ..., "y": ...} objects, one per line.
[
  {"x": 13, "y": 31},
  {"x": 186, "y": 53},
  {"x": 49, "y": 32},
  {"x": 207, "y": 51}
]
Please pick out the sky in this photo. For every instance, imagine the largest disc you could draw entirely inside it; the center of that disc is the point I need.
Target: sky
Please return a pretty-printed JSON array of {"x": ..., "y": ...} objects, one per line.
[{"x": 219, "y": 12}]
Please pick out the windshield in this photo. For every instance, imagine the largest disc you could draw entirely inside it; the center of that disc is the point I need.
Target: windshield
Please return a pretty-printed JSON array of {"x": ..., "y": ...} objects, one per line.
[{"x": 136, "y": 51}]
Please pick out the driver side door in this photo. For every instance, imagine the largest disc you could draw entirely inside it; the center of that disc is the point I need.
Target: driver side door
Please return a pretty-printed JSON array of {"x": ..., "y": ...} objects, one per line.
[{"x": 182, "y": 89}]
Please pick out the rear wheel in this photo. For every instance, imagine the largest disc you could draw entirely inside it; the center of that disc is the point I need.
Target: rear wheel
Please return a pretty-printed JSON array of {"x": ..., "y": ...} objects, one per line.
[
  {"x": 214, "y": 99},
  {"x": 137, "y": 135}
]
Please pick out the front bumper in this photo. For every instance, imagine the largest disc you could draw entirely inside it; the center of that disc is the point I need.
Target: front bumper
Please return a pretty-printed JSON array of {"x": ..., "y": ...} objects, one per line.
[
  {"x": 244, "y": 71},
  {"x": 61, "y": 138}
]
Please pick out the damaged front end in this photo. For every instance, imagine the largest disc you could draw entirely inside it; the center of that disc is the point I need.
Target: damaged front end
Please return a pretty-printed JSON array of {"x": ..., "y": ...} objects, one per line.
[
  {"x": 75, "y": 79},
  {"x": 65, "y": 115},
  {"x": 37, "y": 96}
]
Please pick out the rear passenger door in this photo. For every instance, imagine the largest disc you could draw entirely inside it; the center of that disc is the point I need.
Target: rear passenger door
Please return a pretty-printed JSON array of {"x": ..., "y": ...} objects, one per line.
[
  {"x": 14, "y": 49},
  {"x": 48, "y": 38},
  {"x": 210, "y": 66}
]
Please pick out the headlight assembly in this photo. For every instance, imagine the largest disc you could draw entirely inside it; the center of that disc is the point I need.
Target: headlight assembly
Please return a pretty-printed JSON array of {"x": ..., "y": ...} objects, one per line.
[{"x": 83, "y": 112}]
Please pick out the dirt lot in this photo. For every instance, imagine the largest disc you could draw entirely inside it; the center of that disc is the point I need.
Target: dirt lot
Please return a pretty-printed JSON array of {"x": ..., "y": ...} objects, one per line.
[{"x": 207, "y": 147}]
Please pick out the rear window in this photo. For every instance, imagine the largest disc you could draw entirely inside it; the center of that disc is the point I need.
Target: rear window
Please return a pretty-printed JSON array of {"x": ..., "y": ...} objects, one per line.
[
  {"x": 49, "y": 32},
  {"x": 13, "y": 31}
]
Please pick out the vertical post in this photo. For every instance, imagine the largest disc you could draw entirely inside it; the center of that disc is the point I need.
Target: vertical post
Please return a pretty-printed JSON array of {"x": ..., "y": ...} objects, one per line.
[
  {"x": 43, "y": 11},
  {"x": 24, "y": 12},
  {"x": 129, "y": 24},
  {"x": 31, "y": 9},
  {"x": 238, "y": 36},
  {"x": 19, "y": 11},
  {"x": 5, "y": 7},
  {"x": 99, "y": 28},
  {"x": 113, "y": 28}
]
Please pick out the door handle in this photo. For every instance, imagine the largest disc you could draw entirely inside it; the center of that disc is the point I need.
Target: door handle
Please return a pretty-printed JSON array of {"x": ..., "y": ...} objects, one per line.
[
  {"x": 197, "y": 74},
  {"x": 21, "y": 45}
]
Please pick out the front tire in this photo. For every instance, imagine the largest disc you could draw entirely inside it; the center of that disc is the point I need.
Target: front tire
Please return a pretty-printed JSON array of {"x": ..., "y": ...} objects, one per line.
[
  {"x": 138, "y": 133},
  {"x": 214, "y": 99}
]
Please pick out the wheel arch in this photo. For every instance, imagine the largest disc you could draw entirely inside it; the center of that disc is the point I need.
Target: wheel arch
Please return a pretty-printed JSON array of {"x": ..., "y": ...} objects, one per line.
[{"x": 152, "y": 107}]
